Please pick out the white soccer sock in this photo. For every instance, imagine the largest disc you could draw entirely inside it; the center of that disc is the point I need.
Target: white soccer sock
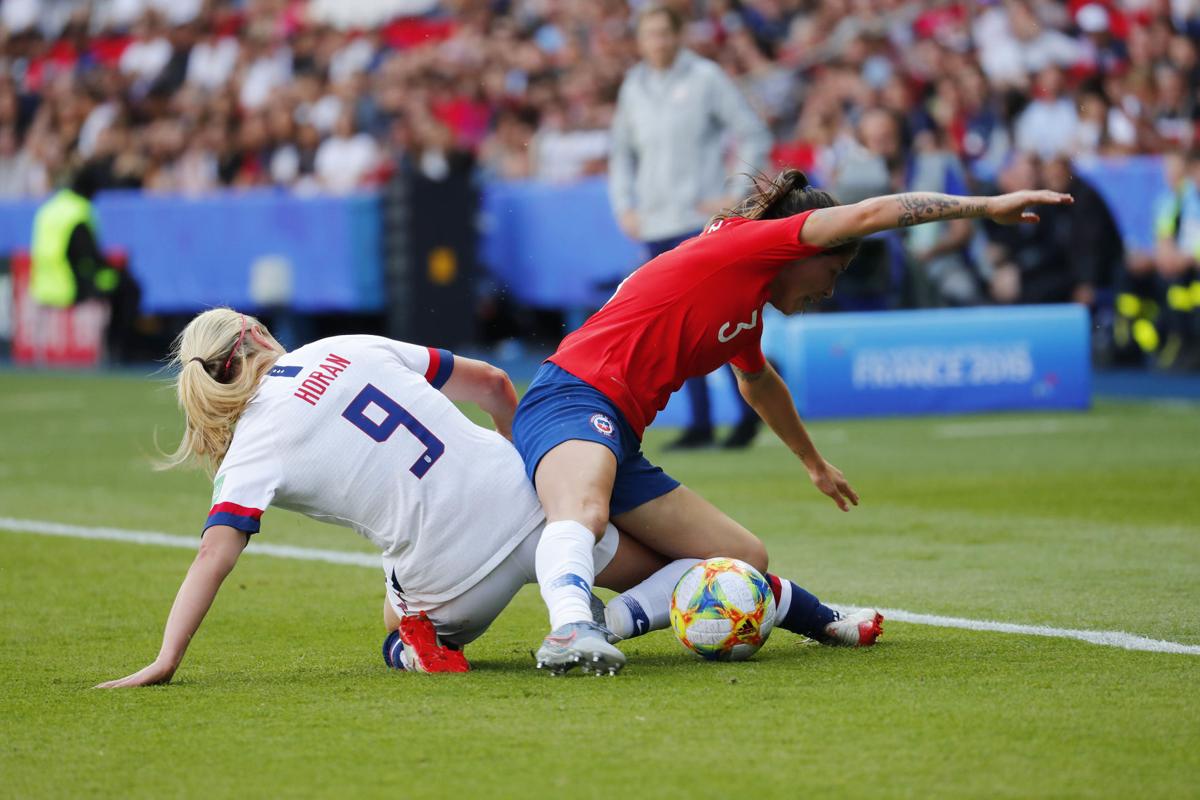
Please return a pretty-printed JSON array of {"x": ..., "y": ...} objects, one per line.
[
  {"x": 566, "y": 571},
  {"x": 647, "y": 606}
]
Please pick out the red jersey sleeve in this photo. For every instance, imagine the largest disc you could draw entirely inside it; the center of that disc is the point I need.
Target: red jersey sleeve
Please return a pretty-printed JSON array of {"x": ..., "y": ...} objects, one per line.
[
  {"x": 785, "y": 234},
  {"x": 774, "y": 240},
  {"x": 751, "y": 359}
]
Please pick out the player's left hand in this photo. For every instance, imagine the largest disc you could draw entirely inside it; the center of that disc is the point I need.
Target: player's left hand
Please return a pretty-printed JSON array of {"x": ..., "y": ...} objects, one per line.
[
  {"x": 152, "y": 675},
  {"x": 830, "y": 480},
  {"x": 1014, "y": 207}
]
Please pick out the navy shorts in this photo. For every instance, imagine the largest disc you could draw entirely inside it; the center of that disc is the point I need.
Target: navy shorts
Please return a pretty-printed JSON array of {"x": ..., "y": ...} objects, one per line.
[{"x": 559, "y": 408}]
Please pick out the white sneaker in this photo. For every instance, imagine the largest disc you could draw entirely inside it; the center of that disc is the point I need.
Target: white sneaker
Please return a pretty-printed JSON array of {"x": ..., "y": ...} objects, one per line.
[{"x": 859, "y": 629}]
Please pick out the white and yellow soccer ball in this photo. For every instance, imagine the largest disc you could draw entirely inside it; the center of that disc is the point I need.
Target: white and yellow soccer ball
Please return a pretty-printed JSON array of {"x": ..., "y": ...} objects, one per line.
[{"x": 723, "y": 610}]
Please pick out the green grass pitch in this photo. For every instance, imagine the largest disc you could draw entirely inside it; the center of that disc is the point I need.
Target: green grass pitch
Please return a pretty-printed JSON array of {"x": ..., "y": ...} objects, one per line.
[{"x": 1076, "y": 521}]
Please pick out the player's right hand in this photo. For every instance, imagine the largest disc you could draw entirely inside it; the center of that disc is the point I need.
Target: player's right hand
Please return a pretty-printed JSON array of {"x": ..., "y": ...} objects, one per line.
[
  {"x": 151, "y": 675},
  {"x": 1014, "y": 207},
  {"x": 830, "y": 480}
]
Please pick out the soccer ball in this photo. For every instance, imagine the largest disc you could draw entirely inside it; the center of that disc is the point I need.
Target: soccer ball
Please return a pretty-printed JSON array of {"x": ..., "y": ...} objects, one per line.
[{"x": 723, "y": 610}]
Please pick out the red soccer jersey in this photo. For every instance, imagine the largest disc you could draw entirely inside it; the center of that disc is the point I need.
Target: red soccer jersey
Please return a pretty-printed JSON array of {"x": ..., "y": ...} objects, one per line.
[{"x": 684, "y": 314}]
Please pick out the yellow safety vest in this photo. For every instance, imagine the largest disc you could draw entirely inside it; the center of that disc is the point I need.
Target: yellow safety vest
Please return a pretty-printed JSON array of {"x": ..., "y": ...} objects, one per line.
[{"x": 52, "y": 282}]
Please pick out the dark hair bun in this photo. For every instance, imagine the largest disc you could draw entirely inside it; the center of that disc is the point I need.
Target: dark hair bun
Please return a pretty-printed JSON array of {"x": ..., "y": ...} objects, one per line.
[{"x": 791, "y": 180}]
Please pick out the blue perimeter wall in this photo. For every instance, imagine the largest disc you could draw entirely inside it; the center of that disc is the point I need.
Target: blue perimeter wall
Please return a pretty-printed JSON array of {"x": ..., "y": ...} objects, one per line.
[
  {"x": 193, "y": 253},
  {"x": 549, "y": 246}
]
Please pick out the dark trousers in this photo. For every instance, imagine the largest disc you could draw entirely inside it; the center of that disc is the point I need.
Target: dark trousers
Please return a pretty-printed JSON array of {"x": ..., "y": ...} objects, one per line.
[{"x": 697, "y": 388}]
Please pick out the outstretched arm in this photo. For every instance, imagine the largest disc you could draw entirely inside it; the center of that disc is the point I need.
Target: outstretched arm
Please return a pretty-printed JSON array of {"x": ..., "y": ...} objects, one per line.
[
  {"x": 219, "y": 551},
  {"x": 829, "y": 227},
  {"x": 486, "y": 386},
  {"x": 768, "y": 395}
]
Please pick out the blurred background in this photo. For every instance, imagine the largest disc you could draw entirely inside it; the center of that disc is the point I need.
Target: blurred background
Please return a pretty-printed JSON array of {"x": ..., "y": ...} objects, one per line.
[{"x": 473, "y": 174}]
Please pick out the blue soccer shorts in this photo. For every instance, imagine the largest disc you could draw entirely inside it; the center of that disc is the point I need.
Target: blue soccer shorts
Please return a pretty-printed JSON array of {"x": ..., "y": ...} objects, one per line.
[{"x": 559, "y": 408}]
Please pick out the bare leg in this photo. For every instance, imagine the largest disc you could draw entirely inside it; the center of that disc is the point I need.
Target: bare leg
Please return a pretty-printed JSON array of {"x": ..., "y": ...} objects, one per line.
[
  {"x": 574, "y": 482},
  {"x": 391, "y": 620},
  {"x": 682, "y": 524}
]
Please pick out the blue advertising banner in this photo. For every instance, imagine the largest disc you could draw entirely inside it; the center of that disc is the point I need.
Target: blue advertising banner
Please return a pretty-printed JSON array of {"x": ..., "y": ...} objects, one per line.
[
  {"x": 934, "y": 362},
  {"x": 897, "y": 363},
  {"x": 325, "y": 253},
  {"x": 555, "y": 246}
]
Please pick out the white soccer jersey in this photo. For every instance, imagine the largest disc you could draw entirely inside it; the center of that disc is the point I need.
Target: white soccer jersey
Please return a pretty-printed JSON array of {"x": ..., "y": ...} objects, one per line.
[{"x": 353, "y": 430}]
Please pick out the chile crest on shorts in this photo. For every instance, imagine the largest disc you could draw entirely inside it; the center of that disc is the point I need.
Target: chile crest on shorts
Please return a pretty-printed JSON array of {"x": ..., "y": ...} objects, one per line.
[{"x": 603, "y": 425}]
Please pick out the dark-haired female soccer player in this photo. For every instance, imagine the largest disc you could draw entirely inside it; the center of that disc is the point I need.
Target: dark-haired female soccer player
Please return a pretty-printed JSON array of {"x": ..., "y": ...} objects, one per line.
[{"x": 684, "y": 314}]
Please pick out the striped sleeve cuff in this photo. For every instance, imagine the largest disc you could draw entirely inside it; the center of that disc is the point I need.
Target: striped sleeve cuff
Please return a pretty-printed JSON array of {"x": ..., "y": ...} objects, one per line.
[
  {"x": 441, "y": 365},
  {"x": 240, "y": 517}
]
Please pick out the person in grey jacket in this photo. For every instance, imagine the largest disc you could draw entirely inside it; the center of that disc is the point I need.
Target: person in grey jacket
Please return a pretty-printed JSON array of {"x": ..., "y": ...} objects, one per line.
[{"x": 667, "y": 169}]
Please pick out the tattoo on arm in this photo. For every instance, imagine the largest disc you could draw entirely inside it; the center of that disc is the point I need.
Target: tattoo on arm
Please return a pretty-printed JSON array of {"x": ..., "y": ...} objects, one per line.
[
  {"x": 920, "y": 207},
  {"x": 748, "y": 377}
]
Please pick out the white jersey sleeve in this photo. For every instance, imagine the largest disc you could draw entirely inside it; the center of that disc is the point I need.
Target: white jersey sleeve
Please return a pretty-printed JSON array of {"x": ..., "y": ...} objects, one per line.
[
  {"x": 435, "y": 364},
  {"x": 246, "y": 482}
]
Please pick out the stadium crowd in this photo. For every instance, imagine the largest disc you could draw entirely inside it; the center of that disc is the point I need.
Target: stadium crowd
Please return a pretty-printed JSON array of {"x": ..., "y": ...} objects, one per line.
[{"x": 191, "y": 96}]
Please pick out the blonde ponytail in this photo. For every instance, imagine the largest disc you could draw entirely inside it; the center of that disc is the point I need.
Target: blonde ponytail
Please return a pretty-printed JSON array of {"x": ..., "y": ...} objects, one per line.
[{"x": 221, "y": 357}]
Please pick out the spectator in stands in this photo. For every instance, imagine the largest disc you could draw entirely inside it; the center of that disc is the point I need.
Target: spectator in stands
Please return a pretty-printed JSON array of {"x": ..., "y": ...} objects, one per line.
[
  {"x": 212, "y": 60},
  {"x": 346, "y": 159},
  {"x": 1177, "y": 263},
  {"x": 563, "y": 153},
  {"x": 941, "y": 270},
  {"x": 19, "y": 176},
  {"x": 1028, "y": 265},
  {"x": 667, "y": 171},
  {"x": 148, "y": 54},
  {"x": 1139, "y": 301},
  {"x": 1102, "y": 50},
  {"x": 1068, "y": 254},
  {"x": 1047, "y": 125},
  {"x": 1093, "y": 241},
  {"x": 266, "y": 67},
  {"x": 505, "y": 154},
  {"x": 1014, "y": 42},
  {"x": 196, "y": 171}
]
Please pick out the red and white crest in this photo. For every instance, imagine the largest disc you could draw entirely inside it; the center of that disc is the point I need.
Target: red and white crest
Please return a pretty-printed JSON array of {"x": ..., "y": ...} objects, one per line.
[{"x": 603, "y": 425}]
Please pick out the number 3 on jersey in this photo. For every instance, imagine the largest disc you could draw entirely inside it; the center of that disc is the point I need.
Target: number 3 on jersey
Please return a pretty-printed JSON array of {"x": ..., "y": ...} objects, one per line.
[{"x": 396, "y": 415}]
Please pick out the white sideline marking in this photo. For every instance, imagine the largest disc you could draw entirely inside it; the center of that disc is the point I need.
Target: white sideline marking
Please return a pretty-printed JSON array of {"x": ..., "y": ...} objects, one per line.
[
  {"x": 1126, "y": 641},
  {"x": 185, "y": 542}
]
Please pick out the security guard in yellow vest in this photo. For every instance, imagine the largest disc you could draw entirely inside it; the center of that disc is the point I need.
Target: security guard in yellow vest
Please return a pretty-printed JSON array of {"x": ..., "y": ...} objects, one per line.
[
  {"x": 68, "y": 266},
  {"x": 1158, "y": 308}
]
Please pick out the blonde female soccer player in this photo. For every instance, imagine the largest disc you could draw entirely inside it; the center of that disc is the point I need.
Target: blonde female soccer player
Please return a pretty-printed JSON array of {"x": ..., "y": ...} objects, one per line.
[{"x": 361, "y": 431}]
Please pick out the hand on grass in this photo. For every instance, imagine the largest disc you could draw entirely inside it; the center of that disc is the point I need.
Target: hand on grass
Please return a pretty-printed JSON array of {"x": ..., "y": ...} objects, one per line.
[
  {"x": 830, "y": 480},
  {"x": 1014, "y": 207},
  {"x": 152, "y": 675}
]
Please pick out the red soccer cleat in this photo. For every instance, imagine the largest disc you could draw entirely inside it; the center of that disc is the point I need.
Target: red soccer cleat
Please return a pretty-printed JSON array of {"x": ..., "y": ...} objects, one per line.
[
  {"x": 422, "y": 650},
  {"x": 859, "y": 629}
]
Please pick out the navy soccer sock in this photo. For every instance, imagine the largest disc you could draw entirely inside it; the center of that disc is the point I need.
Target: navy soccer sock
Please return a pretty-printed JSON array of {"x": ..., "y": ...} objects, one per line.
[{"x": 799, "y": 611}]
